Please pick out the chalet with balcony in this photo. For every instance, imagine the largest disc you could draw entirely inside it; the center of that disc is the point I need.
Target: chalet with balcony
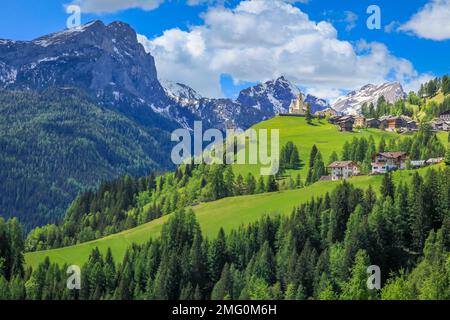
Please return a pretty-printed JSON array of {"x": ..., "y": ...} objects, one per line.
[
  {"x": 343, "y": 170},
  {"x": 392, "y": 123},
  {"x": 445, "y": 116},
  {"x": 440, "y": 125},
  {"x": 389, "y": 161}
]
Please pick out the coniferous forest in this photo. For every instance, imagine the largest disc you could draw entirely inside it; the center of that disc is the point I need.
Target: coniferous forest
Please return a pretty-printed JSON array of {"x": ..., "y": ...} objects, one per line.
[
  {"x": 252, "y": 151},
  {"x": 321, "y": 251}
]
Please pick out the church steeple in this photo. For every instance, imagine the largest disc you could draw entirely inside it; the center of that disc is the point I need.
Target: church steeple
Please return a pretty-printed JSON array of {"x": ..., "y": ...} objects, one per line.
[{"x": 298, "y": 106}]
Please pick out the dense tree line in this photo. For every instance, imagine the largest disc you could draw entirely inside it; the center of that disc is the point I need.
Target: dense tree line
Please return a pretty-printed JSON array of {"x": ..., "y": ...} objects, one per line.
[
  {"x": 127, "y": 202},
  {"x": 317, "y": 167},
  {"x": 11, "y": 249},
  {"x": 427, "y": 90},
  {"x": 430, "y": 88},
  {"x": 383, "y": 108},
  {"x": 289, "y": 157},
  {"x": 422, "y": 145},
  {"x": 321, "y": 251}
]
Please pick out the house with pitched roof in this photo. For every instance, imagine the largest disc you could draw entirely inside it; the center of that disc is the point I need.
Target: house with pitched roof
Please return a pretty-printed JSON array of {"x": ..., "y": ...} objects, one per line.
[
  {"x": 389, "y": 161},
  {"x": 445, "y": 116},
  {"x": 343, "y": 170}
]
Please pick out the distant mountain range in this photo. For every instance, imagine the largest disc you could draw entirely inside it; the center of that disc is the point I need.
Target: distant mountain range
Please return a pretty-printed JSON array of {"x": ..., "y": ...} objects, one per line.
[
  {"x": 92, "y": 95},
  {"x": 108, "y": 62},
  {"x": 253, "y": 105},
  {"x": 85, "y": 105},
  {"x": 353, "y": 101}
]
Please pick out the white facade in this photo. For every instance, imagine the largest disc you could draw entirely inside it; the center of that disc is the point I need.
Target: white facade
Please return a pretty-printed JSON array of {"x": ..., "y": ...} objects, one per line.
[
  {"x": 383, "y": 164},
  {"x": 343, "y": 170}
]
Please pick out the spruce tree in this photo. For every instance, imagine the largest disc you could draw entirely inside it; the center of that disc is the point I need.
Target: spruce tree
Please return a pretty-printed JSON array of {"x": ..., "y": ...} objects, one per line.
[
  {"x": 312, "y": 156},
  {"x": 387, "y": 186},
  {"x": 447, "y": 154}
]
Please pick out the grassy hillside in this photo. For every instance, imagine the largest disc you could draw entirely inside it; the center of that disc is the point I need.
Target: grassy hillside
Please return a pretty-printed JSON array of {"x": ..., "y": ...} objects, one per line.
[
  {"x": 422, "y": 114},
  {"x": 228, "y": 213},
  {"x": 324, "y": 135}
]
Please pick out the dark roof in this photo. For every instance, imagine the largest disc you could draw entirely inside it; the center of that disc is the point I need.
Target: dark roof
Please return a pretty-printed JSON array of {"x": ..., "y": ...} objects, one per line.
[
  {"x": 341, "y": 164},
  {"x": 445, "y": 113},
  {"x": 393, "y": 155},
  {"x": 325, "y": 178}
]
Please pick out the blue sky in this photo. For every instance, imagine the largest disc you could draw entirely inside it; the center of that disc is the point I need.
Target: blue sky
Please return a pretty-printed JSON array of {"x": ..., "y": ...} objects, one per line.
[{"x": 426, "y": 50}]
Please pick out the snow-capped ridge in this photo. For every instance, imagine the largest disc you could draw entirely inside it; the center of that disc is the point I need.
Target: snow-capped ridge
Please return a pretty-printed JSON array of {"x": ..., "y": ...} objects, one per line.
[{"x": 369, "y": 93}]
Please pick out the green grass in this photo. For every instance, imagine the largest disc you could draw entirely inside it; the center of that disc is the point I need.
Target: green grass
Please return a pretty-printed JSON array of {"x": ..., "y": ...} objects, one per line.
[
  {"x": 233, "y": 212},
  {"x": 443, "y": 136},
  {"x": 324, "y": 135},
  {"x": 228, "y": 213}
]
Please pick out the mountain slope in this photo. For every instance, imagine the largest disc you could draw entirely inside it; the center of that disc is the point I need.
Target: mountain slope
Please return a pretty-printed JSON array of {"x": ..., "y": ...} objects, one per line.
[
  {"x": 322, "y": 134},
  {"x": 57, "y": 142},
  {"x": 232, "y": 212},
  {"x": 352, "y": 102},
  {"x": 105, "y": 73},
  {"x": 228, "y": 213},
  {"x": 254, "y": 104}
]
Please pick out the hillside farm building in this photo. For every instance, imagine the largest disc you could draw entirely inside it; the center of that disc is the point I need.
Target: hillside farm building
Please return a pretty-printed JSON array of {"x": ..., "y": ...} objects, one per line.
[
  {"x": 389, "y": 161},
  {"x": 343, "y": 170},
  {"x": 445, "y": 116}
]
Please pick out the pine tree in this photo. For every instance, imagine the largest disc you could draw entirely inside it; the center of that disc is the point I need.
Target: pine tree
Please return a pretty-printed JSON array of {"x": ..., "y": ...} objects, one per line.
[
  {"x": 308, "y": 114},
  {"x": 261, "y": 187},
  {"x": 298, "y": 181},
  {"x": 239, "y": 187},
  {"x": 250, "y": 184},
  {"x": 356, "y": 288},
  {"x": 447, "y": 154},
  {"x": 318, "y": 168},
  {"x": 224, "y": 286},
  {"x": 217, "y": 256},
  {"x": 294, "y": 160},
  {"x": 333, "y": 157},
  {"x": 312, "y": 156},
  {"x": 264, "y": 266},
  {"x": 382, "y": 145},
  {"x": 387, "y": 186},
  {"x": 271, "y": 185},
  {"x": 445, "y": 84},
  {"x": 346, "y": 152},
  {"x": 228, "y": 180}
]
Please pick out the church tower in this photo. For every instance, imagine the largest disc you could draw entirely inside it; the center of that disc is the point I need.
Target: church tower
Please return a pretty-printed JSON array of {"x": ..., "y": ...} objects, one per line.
[{"x": 298, "y": 106}]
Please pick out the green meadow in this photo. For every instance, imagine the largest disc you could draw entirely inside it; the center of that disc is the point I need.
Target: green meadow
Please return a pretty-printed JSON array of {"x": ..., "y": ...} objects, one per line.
[
  {"x": 325, "y": 136},
  {"x": 228, "y": 213}
]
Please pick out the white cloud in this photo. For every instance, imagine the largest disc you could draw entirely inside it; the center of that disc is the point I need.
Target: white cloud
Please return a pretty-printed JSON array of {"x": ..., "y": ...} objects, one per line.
[
  {"x": 414, "y": 84},
  {"x": 262, "y": 39},
  {"x": 350, "y": 18},
  {"x": 431, "y": 22},
  {"x": 392, "y": 26},
  {"x": 110, "y": 6}
]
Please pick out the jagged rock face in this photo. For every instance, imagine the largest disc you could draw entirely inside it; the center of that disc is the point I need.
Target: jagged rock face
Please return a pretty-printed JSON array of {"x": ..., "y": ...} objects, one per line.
[
  {"x": 271, "y": 97},
  {"x": 352, "y": 102},
  {"x": 254, "y": 104},
  {"x": 104, "y": 60},
  {"x": 108, "y": 62}
]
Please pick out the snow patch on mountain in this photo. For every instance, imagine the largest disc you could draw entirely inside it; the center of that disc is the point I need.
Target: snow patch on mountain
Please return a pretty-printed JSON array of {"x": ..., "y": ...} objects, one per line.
[
  {"x": 182, "y": 93},
  {"x": 353, "y": 101}
]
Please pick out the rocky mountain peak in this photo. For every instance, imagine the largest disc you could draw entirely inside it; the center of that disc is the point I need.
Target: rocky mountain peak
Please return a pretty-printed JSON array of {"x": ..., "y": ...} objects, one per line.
[
  {"x": 105, "y": 60},
  {"x": 369, "y": 93}
]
